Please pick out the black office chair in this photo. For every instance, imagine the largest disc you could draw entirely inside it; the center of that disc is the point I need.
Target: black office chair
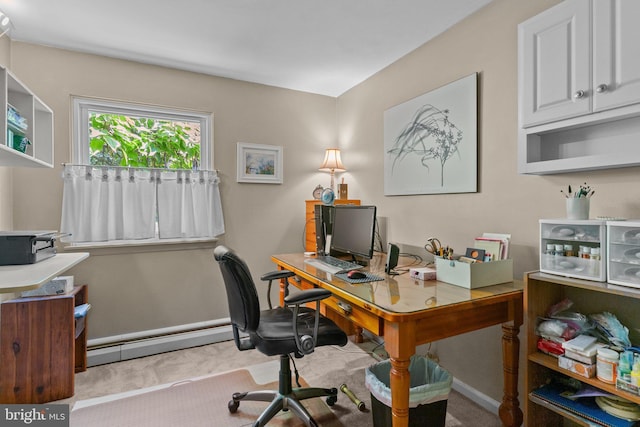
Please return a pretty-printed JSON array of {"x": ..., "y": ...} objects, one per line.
[{"x": 291, "y": 330}]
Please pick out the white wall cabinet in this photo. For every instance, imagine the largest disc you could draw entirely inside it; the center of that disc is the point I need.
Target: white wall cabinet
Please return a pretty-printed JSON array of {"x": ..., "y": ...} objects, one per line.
[
  {"x": 38, "y": 120},
  {"x": 579, "y": 87},
  {"x": 554, "y": 52}
]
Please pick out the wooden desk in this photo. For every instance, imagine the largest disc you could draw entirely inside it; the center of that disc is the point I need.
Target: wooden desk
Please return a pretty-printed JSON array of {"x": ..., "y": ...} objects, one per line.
[{"x": 408, "y": 313}]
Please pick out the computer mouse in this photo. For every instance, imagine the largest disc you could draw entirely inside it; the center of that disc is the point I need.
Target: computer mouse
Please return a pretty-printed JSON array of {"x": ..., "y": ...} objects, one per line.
[{"x": 355, "y": 274}]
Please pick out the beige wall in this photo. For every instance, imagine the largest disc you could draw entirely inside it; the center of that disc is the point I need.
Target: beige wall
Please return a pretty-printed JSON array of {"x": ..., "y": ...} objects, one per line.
[
  {"x": 506, "y": 202},
  {"x": 134, "y": 291},
  {"x": 6, "y": 187}
]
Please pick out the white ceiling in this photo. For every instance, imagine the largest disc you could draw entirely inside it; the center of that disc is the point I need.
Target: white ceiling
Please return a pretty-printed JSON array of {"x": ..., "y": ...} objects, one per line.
[{"x": 318, "y": 46}]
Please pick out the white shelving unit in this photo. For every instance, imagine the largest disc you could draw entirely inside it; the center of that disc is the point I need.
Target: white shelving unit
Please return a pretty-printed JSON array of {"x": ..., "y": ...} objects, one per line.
[{"x": 39, "y": 119}]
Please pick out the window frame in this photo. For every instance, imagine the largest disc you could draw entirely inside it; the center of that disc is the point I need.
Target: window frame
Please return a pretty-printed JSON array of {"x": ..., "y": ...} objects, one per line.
[{"x": 80, "y": 116}]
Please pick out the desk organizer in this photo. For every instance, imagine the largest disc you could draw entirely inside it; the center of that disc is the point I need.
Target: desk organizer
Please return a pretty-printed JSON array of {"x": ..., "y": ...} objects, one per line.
[
  {"x": 573, "y": 248},
  {"x": 623, "y": 239},
  {"x": 476, "y": 275}
]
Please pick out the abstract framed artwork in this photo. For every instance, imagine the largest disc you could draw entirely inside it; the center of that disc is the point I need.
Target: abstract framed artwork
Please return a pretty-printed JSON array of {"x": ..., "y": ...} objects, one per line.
[
  {"x": 259, "y": 163},
  {"x": 431, "y": 142}
]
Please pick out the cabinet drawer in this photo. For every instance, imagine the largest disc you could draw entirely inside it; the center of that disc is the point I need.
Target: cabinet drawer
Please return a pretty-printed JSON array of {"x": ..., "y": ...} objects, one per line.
[
  {"x": 357, "y": 315},
  {"x": 624, "y": 253},
  {"x": 571, "y": 237}
]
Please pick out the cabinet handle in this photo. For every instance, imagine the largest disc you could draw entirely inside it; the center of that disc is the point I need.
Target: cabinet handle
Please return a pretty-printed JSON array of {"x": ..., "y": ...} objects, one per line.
[
  {"x": 579, "y": 94},
  {"x": 602, "y": 88}
]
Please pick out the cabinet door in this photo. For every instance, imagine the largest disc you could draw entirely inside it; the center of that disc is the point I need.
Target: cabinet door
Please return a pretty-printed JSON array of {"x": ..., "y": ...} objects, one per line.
[
  {"x": 616, "y": 53},
  {"x": 554, "y": 63}
]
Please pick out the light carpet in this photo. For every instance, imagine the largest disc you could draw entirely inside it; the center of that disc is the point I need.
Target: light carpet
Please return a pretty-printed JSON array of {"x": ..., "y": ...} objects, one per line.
[
  {"x": 130, "y": 390},
  {"x": 193, "y": 403}
]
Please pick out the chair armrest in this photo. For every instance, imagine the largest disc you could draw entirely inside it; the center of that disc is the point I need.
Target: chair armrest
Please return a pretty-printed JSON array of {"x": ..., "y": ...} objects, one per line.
[
  {"x": 308, "y": 295},
  {"x": 278, "y": 274},
  {"x": 306, "y": 343}
]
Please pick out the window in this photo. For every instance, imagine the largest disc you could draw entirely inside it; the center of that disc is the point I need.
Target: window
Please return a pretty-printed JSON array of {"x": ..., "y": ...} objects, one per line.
[
  {"x": 114, "y": 133},
  {"x": 140, "y": 173}
]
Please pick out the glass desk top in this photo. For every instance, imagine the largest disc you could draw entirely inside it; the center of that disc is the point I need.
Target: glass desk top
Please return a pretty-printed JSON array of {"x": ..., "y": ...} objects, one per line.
[{"x": 399, "y": 293}]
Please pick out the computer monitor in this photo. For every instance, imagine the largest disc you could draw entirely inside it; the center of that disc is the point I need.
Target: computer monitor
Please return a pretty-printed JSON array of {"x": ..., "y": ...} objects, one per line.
[{"x": 353, "y": 230}]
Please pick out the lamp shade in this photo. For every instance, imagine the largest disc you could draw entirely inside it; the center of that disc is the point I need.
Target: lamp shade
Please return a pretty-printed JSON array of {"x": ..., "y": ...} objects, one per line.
[{"x": 332, "y": 161}]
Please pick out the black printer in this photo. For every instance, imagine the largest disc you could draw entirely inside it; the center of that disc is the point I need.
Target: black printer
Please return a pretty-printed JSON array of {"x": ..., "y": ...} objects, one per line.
[{"x": 26, "y": 247}]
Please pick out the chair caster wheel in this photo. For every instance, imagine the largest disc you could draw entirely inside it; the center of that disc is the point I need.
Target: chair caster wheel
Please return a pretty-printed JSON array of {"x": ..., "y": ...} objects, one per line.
[
  {"x": 233, "y": 406},
  {"x": 333, "y": 397}
]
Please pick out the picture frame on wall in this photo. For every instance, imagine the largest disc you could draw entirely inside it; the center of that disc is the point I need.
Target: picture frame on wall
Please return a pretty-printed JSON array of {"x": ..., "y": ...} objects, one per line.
[
  {"x": 431, "y": 142},
  {"x": 259, "y": 163}
]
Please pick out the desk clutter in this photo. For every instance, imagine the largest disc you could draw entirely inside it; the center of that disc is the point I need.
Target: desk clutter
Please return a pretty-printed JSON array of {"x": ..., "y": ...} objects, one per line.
[
  {"x": 595, "y": 346},
  {"x": 486, "y": 263}
]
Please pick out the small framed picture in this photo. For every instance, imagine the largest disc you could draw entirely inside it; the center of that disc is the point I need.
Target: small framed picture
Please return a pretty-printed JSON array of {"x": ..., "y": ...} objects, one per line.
[{"x": 259, "y": 163}]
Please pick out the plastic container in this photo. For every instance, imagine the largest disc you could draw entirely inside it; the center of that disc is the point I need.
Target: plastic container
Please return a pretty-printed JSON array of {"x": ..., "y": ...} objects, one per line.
[
  {"x": 428, "y": 393},
  {"x": 607, "y": 365}
]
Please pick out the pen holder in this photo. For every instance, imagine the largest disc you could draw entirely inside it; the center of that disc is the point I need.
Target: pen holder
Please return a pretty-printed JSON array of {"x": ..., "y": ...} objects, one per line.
[{"x": 578, "y": 208}]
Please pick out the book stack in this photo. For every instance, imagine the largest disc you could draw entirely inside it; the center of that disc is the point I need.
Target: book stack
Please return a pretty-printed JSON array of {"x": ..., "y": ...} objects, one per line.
[
  {"x": 585, "y": 407},
  {"x": 580, "y": 355},
  {"x": 17, "y": 127},
  {"x": 495, "y": 245}
]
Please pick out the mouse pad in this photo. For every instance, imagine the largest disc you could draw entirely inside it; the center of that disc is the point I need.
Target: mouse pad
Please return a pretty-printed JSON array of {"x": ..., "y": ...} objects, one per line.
[{"x": 370, "y": 278}]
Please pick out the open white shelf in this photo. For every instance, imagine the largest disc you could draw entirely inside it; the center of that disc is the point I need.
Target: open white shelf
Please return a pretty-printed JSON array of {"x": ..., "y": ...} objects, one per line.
[{"x": 39, "y": 118}]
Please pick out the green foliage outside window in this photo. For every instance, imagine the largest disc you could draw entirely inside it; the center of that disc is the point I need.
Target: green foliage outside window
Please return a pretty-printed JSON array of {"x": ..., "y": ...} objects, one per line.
[{"x": 117, "y": 140}]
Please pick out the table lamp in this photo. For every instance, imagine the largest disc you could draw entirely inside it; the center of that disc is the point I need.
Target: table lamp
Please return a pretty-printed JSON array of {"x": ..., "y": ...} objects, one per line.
[{"x": 332, "y": 163}]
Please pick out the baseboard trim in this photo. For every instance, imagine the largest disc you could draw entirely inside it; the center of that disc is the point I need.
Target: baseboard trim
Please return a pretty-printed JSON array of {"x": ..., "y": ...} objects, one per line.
[
  {"x": 477, "y": 397},
  {"x": 159, "y": 344}
]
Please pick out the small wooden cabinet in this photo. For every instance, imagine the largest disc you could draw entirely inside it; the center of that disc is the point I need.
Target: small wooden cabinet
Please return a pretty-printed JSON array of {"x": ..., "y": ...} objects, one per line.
[
  {"x": 543, "y": 290},
  {"x": 310, "y": 221},
  {"x": 42, "y": 346}
]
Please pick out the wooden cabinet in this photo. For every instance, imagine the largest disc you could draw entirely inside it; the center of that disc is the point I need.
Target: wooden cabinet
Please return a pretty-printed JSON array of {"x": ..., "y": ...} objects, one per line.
[
  {"x": 42, "y": 346},
  {"x": 310, "y": 221},
  {"x": 37, "y": 120},
  {"x": 579, "y": 87},
  {"x": 543, "y": 290}
]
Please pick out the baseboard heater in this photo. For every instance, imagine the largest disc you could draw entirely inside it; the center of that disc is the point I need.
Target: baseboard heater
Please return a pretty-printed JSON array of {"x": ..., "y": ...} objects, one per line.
[{"x": 145, "y": 343}]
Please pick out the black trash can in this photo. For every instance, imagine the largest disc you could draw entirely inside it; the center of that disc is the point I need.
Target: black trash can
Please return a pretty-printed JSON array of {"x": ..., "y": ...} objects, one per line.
[{"x": 428, "y": 393}]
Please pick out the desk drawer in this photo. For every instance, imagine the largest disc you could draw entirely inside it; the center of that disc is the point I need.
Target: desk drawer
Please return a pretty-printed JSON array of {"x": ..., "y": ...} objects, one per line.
[{"x": 359, "y": 316}]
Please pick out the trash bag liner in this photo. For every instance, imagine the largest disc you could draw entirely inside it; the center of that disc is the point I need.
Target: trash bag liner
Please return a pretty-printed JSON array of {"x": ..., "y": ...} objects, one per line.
[{"x": 429, "y": 381}]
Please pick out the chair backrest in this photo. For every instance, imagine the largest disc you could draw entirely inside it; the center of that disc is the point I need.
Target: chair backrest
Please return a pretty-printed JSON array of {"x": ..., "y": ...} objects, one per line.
[{"x": 244, "y": 306}]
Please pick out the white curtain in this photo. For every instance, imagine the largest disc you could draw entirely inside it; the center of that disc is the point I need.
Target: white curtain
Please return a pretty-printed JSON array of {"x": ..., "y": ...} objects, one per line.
[
  {"x": 105, "y": 203},
  {"x": 189, "y": 204}
]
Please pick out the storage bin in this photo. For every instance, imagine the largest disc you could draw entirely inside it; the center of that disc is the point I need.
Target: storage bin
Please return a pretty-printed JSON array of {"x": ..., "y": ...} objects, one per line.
[
  {"x": 476, "y": 275},
  {"x": 569, "y": 236},
  {"x": 428, "y": 393},
  {"x": 623, "y": 244}
]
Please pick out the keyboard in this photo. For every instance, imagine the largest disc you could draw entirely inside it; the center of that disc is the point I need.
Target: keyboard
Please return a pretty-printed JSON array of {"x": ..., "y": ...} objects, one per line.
[{"x": 332, "y": 265}]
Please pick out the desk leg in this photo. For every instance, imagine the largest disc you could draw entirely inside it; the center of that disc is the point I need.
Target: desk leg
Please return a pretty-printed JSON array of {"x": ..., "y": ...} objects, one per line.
[
  {"x": 509, "y": 411},
  {"x": 358, "y": 337},
  {"x": 400, "y": 343},
  {"x": 283, "y": 291}
]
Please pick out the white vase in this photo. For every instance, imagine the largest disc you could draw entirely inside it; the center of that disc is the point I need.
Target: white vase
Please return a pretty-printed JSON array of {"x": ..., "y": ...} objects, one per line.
[{"x": 578, "y": 208}]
